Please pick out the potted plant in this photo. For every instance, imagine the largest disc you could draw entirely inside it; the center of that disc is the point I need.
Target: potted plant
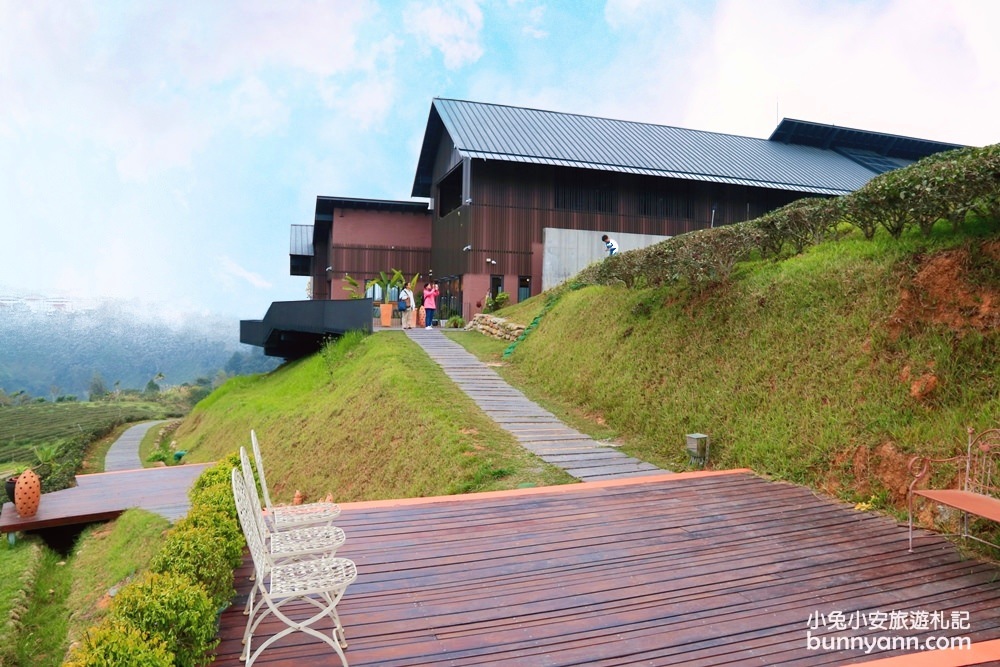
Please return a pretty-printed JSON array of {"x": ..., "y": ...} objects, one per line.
[
  {"x": 386, "y": 283},
  {"x": 353, "y": 287},
  {"x": 11, "y": 482}
]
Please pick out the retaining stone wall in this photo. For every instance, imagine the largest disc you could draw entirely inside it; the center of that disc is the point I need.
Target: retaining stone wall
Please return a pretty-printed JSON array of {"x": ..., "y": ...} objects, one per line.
[{"x": 496, "y": 327}]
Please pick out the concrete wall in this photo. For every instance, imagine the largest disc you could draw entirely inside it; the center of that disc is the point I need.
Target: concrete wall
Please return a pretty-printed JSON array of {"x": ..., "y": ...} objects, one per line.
[{"x": 568, "y": 251}]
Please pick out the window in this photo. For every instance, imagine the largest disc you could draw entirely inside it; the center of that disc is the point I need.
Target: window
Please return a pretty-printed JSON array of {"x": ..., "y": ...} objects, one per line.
[
  {"x": 450, "y": 192},
  {"x": 663, "y": 205},
  {"x": 582, "y": 196},
  {"x": 523, "y": 288},
  {"x": 496, "y": 285}
]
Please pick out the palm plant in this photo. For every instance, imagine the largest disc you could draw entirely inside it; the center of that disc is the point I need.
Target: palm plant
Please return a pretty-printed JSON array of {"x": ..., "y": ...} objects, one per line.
[{"x": 386, "y": 283}]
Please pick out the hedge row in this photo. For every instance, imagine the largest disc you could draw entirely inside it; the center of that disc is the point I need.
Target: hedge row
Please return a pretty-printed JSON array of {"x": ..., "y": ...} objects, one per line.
[
  {"x": 945, "y": 186},
  {"x": 169, "y": 616},
  {"x": 696, "y": 258}
]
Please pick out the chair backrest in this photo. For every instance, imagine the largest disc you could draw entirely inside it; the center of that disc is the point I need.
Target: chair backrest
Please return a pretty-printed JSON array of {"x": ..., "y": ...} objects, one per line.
[
  {"x": 983, "y": 463},
  {"x": 253, "y": 496},
  {"x": 260, "y": 470},
  {"x": 254, "y": 538}
]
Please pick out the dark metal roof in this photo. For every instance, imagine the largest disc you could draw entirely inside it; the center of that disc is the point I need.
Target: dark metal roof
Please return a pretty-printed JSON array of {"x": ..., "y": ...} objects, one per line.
[
  {"x": 515, "y": 134},
  {"x": 326, "y": 205},
  {"x": 302, "y": 240},
  {"x": 806, "y": 133}
]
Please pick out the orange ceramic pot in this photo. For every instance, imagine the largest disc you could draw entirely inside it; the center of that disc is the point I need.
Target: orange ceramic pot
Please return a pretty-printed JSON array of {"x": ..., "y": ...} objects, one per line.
[
  {"x": 385, "y": 314},
  {"x": 27, "y": 494}
]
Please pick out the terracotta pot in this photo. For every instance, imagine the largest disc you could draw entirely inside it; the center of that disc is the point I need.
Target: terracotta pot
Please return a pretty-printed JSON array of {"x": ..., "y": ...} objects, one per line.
[
  {"x": 385, "y": 313},
  {"x": 420, "y": 317},
  {"x": 27, "y": 493}
]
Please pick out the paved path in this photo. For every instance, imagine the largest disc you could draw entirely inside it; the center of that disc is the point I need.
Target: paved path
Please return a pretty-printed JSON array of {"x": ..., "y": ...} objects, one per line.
[
  {"x": 538, "y": 430},
  {"x": 124, "y": 453},
  {"x": 171, "y": 503}
]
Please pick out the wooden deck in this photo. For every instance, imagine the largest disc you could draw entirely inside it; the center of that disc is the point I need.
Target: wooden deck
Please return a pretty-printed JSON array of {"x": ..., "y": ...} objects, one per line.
[
  {"x": 689, "y": 569},
  {"x": 103, "y": 496}
]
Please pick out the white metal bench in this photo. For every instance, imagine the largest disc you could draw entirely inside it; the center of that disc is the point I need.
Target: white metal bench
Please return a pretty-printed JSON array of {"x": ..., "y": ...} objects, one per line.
[
  {"x": 978, "y": 486},
  {"x": 292, "y": 544},
  {"x": 285, "y": 517},
  {"x": 320, "y": 582}
]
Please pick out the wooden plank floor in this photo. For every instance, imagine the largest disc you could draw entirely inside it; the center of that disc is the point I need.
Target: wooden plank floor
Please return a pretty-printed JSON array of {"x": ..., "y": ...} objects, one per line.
[
  {"x": 536, "y": 429},
  {"x": 689, "y": 569},
  {"x": 103, "y": 496}
]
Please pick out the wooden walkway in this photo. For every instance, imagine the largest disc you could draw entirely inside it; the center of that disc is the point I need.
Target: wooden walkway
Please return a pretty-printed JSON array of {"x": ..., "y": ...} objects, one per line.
[
  {"x": 538, "y": 430},
  {"x": 709, "y": 568},
  {"x": 103, "y": 496}
]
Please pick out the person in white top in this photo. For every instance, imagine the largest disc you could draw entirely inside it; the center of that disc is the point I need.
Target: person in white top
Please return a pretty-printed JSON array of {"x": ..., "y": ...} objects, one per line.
[
  {"x": 610, "y": 244},
  {"x": 406, "y": 296}
]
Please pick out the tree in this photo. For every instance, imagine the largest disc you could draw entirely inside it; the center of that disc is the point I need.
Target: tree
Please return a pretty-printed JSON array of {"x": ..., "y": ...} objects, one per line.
[{"x": 98, "y": 389}]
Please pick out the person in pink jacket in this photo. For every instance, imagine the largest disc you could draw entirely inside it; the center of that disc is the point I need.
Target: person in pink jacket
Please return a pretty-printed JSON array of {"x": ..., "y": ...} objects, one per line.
[{"x": 431, "y": 292}]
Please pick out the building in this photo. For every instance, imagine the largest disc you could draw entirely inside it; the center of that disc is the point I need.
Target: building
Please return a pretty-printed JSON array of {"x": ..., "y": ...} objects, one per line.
[{"x": 505, "y": 185}]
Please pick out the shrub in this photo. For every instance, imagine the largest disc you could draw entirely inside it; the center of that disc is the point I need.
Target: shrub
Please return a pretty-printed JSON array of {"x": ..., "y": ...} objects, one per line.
[
  {"x": 708, "y": 256},
  {"x": 170, "y": 608},
  {"x": 199, "y": 553},
  {"x": 112, "y": 643},
  {"x": 456, "y": 322},
  {"x": 217, "y": 475},
  {"x": 222, "y": 523},
  {"x": 495, "y": 303},
  {"x": 801, "y": 223}
]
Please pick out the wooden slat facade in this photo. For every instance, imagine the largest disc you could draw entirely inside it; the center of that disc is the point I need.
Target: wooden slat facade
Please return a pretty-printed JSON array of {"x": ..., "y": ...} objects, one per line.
[
  {"x": 504, "y": 207},
  {"x": 689, "y": 569}
]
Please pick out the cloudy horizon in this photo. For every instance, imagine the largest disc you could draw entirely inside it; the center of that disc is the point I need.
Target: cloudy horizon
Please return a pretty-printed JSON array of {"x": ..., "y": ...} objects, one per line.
[{"x": 160, "y": 151}]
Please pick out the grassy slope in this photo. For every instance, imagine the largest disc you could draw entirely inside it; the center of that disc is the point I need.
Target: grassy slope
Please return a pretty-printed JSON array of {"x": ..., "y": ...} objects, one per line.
[
  {"x": 791, "y": 368},
  {"x": 379, "y": 420}
]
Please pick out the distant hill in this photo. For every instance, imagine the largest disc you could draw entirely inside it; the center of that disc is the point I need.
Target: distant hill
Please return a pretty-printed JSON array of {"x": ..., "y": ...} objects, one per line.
[{"x": 48, "y": 351}]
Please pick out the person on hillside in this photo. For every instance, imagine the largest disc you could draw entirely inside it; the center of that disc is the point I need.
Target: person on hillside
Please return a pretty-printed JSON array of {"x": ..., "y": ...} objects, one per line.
[
  {"x": 431, "y": 292},
  {"x": 406, "y": 296},
  {"x": 610, "y": 244}
]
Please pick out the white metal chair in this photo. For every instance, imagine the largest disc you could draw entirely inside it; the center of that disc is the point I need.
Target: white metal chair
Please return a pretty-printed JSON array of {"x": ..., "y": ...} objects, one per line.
[
  {"x": 292, "y": 544},
  {"x": 319, "y": 582},
  {"x": 285, "y": 517}
]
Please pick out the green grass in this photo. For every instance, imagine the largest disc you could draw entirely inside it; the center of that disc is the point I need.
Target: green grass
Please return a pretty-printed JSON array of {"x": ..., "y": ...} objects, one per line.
[
  {"x": 19, "y": 566},
  {"x": 41, "y": 642},
  {"x": 370, "y": 418},
  {"x": 790, "y": 367},
  {"x": 56, "y": 598},
  {"x": 106, "y": 557}
]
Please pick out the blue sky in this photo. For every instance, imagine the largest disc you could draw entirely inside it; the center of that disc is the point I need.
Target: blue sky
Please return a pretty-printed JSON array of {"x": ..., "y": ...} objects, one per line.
[{"x": 158, "y": 151}]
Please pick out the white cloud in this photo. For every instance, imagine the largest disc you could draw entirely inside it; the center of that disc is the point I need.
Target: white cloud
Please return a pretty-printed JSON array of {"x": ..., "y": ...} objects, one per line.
[
  {"x": 451, "y": 26},
  {"x": 256, "y": 107},
  {"x": 535, "y": 18},
  {"x": 228, "y": 269},
  {"x": 904, "y": 67}
]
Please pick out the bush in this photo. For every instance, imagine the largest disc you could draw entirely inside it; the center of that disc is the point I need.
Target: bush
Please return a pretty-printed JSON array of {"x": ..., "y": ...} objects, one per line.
[
  {"x": 456, "y": 322},
  {"x": 217, "y": 475},
  {"x": 170, "y": 608},
  {"x": 110, "y": 644},
  {"x": 222, "y": 523},
  {"x": 801, "y": 223},
  {"x": 495, "y": 303},
  {"x": 201, "y": 554}
]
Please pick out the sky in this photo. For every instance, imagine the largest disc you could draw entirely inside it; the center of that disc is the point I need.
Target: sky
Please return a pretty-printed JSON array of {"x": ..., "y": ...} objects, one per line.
[{"x": 158, "y": 151}]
